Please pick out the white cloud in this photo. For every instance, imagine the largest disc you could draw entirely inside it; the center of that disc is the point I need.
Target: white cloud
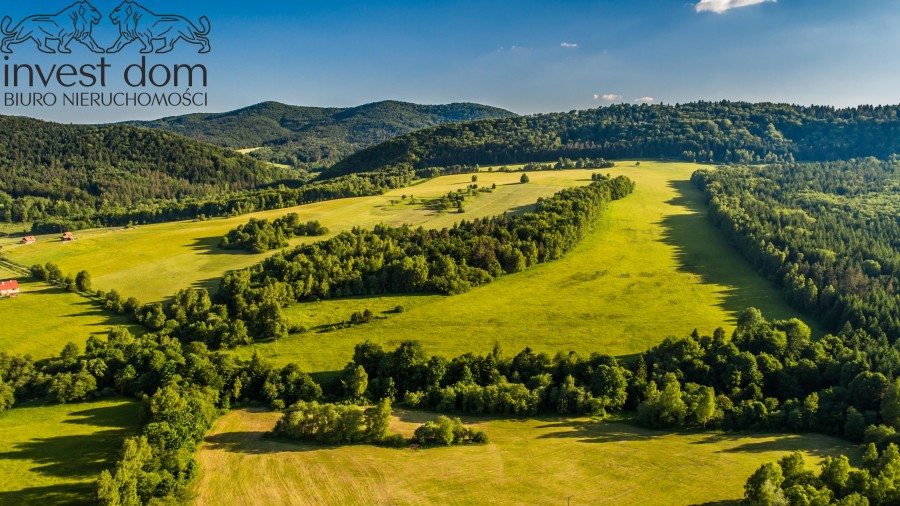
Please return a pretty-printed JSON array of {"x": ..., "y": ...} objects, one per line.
[
  {"x": 609, "y": 97},
  {"x": 645, "y": 100},
  {"x": 720, "y": 6},
  {"x": 568, "y": 44}
]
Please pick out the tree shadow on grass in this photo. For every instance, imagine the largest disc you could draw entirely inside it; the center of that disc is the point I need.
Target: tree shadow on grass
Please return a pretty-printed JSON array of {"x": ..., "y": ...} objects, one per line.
[
  {"x": 781, "y": 443},
  {"x": 701, "y": 250},
  {"x": 107, "y": 416},
  {"x": 594, "y": 431},
  {"x": 262, "y": 443},
  {"x": 52, "y": 495},
  {"x": 73, "y": 457},
  {"x": 210, "y": 246}
]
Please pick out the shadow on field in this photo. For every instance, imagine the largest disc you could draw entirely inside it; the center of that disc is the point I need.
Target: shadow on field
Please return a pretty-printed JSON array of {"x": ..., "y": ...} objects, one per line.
[
  {"x": 78, "y": 456},
  {"x": 89, "y": 308},
  {"x": 67, "y": 493},
  {"x": 592, "y": 431},
  {"x": 210, "y": 246},
  {"x": 781, "y": 443},
  {"x": 107, "y": 416},
  {"x": 527, "y": 208},
  {"x": 702, "y": 250},
  {"x": 260, "y": 443}
]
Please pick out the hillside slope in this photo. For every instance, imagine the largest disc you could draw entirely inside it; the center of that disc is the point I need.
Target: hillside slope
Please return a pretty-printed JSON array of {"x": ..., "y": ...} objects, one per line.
[
  {"x": 314, "y": 136},
  {"x": 91, "y": 168},
  {"x": 696, "y": 132}
]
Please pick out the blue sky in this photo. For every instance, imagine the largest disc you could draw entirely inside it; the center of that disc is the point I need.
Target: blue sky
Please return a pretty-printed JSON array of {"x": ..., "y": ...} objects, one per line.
[{"x": 526, "y": 56}]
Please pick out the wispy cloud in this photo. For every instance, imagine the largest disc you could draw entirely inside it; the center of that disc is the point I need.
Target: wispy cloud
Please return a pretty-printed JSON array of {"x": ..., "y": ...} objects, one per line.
[
  {"x": 720, "y": 6},
  {"x": 645, "y": 100},
  {"x": 608, "y": 97},
  {"x": 568, "y": 44}
]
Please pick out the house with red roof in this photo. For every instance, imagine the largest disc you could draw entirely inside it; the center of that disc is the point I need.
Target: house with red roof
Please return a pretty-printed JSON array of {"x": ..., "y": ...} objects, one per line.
[
  {"x": 29, "y": 239},
  {"x": 67, "y": 236},
  {"x": 9, "y": 288}
]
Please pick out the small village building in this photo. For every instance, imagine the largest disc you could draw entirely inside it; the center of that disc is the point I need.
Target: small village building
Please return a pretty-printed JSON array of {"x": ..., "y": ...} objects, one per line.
[
  {"x": 29, "y": 239},
  {"x": 9, "y": 288},
  {"x": 67, "y": 236}
]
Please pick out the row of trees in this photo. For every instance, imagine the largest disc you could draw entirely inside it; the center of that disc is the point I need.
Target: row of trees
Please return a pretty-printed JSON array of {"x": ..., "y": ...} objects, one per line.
[
  {"x": 525, "y": 384},
  {"x": 336, "y": 423},
  {"x": 568, "y": 163},
  {"x": 52, "y": 273},
  {"x": 258, "y": 236},
  {"x": 402, "y": 260}
]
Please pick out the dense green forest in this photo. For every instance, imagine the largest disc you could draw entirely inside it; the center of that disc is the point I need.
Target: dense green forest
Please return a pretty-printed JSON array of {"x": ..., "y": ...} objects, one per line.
[
  {"x": 827, "y": 233},
  {"x": 702, "y": 131},
  {"x": 62, "y": 171},
  {"x": 314, "y": 137}
]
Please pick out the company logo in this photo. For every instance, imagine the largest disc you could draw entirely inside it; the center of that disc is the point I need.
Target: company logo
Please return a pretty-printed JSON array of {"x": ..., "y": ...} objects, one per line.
[
  {"x": 75, "y": 22},
  {"x": 53, "y": 33},
  {"x": 138, "y": 23}
]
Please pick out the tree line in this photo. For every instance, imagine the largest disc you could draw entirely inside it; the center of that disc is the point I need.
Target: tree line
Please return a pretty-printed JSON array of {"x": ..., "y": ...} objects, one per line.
[{"x": 826, "y": 233}]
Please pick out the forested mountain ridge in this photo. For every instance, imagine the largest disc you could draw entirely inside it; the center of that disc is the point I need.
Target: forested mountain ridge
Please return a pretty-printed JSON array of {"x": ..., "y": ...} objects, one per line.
[
  {"x": 722, "y": 132},
  {"x": 314, "y": 136},
  {"x": 91, "y": 168}
]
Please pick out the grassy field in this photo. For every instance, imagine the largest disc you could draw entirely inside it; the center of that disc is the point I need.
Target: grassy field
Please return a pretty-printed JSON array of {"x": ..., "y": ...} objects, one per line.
[
  {"x": 542, "y": 461},
  {"x": 153, "y": 262},
  {"x": 654, "y": 267},
  {"x": 41, "y": 320},
  {"x": 52, "y": 455}
]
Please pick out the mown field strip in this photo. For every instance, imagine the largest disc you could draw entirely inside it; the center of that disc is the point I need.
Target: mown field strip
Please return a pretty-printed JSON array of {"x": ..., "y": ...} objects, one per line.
[{"x": 539, "y": 461}]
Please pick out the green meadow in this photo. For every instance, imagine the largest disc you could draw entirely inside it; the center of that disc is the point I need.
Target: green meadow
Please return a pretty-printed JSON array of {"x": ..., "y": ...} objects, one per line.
[
  {"x": 538, "y": 461},
  {"x": 653, "y": 267},
  {"x": 41, "y": 320},
  {"x": 152, "y": 262},
  {"x": 52, "y": 455}
]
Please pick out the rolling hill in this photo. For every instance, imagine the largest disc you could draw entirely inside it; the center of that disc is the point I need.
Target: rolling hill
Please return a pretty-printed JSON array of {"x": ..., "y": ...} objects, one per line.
[
  {"x": 705, "y": 132},
  {"x": 313, "y": 136},
  {"x": 51, "y": 169}
]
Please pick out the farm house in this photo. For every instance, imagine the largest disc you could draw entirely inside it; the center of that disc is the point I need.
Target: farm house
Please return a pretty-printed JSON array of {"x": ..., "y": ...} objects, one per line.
[
  {"x": 29, "y": 239},
  {"x": 9, "y": 288},
  {"x": 67, "y": 236}
]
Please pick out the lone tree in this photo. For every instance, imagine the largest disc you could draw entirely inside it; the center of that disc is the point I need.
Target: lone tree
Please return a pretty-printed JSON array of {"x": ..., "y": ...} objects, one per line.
[
  {"x": 524, "y": 178},
  {"x": 83, "y": 281},
  {"x": 475, "y": 178}
]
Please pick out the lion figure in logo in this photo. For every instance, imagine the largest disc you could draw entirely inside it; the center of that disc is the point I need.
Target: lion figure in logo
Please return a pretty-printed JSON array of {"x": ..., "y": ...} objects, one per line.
[
  {"x": 136, "y": 23},
  {"x": 75, "y": 22}
]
